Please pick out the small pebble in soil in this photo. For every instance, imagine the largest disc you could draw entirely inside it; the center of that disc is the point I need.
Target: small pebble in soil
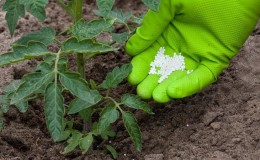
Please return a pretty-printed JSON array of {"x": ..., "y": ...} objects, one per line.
[
  {"x": 216, "y": 126},
  {"x": 209, "y": 117},
  {"x": 236, "y": 140}
]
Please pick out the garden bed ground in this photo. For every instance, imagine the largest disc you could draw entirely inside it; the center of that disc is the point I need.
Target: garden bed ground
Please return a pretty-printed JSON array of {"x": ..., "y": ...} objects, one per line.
[{"x": 221, "y": 122}]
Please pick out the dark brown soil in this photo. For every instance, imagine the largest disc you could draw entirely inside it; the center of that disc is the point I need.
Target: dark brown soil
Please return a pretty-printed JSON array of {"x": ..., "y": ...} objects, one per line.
[{"x": 220, "y": 123}]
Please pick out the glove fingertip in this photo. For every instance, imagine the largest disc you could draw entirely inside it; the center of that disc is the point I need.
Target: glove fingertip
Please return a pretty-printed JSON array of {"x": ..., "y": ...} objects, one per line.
[
  {"x": 161, "y": 97},
  {"x": 175, "y": 91},
  {"x": 146, "y": 87}
]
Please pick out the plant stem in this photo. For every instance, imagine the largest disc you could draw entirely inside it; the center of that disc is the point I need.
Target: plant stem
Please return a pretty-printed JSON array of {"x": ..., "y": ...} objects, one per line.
[
  {"x": 56, "y": 71},
  {"x": 78, "y": 10},
  {"x": 80, "y": 57},
  {"x": 115, "y": 102}
]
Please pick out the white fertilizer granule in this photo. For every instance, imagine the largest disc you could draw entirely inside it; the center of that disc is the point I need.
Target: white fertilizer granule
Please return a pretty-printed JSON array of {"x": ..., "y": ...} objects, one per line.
[{"x": 164, "y": 65}]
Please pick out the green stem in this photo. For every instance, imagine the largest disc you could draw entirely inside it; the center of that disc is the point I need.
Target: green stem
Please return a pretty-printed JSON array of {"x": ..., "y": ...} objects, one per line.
[
  {"x": 78, "y": 10},
  {"x": 81, "y": 64},
  {"x": 56, "y": 71},
  {"x": 115, "y": 102},
  {"x": 80, "y": 57}
]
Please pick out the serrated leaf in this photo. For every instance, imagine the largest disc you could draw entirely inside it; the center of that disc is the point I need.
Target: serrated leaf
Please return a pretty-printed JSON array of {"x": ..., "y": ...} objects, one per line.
[
  {"x": 73, "y": 142},
  {"x": 107, "y": 133},
  {"x": 63, "y": 65},
  {"x": 36, "y": 7},
  {"x": 152, "y": 4},
  {"x": 112, "y": 151},
  {"x": 78, "y": 86},
  {"x": 108, "y": 115},
  {"x": 19, "y": 53},
  {"x": 64, "y": 135},
  {"x": 78, "y": 105},
  {"x": 4, "y": 103},
  {"x": 120, "y": 16},
  {"x": 22, "y": 106},
  {"x": 54, "y": 110},
  {"x": 44, "y": 67},
  {"x": 105, "y": 6},
  {"x": 49, "y": 58},
  {"x": 135, "y": 102},
  {"x": 137, "y": 20},
  {"x": 83, "y": 30},
  {"x": 14, "y": 10},
  {"x": 86, "y": 46},
  {"x": 1, "y": 123},
  {"x": 120, "y": 37},
  {"x": 86, "y": 142},
  {"x": 45, "y": 35},
  {"x": 116, "y": 76},
  {"x": 12, "y": 87},
  {"x": 31, "y": 83},
  {"x": 132, "y": 129}
]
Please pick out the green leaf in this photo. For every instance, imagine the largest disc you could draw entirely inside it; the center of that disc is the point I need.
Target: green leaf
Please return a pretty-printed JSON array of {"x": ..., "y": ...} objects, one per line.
[
  {"x": 36, "y": 7},
  {"x": 54, "y": 110},
  {"x": 64, "y": 135},
  {"x": 78, "y": 86},
  {"x": 63, "y": 65},
  {"x": 49, "y": 58},
  {"x": 12, "y": 87},
  {"x": 135, "y": 102},
  {"x": 107, "y": 133},
  {"x": 152, "y": 4},
  {"x": 73, "y": 142},
  {"x": 45, "y": 35},
  {"x": 116, "y": 76},
  {"x": 78, "y": 105},
  {"x": 83, "y": 30},
  {"x": 31, "y": 83},
  {"x": 105, "y": 6},
  {"x": 19, "y": 53},
  {"x": 44, "y": 67},
  {"x": 1, "y": 123},
  {"x": 137, "y": 20},
  {"x": 120, "y": 37},
  {"x": 73, "y": 82},
  {"x": 132, "y": 129},
  {"x": 86, "y": 142},
  {"x": 86, "y": 46},
  {"x": 108, "y": 115},
  {"x": 120, "y": 16},
  {"x": 14, "y": 11},
  {"x": 22, "y": 106},
  {"x": 86, "y": 114},
  {"x": 112, "y": 151},
  {"x": 10, "y": 90},
  {"x": 4, "y": 103}
]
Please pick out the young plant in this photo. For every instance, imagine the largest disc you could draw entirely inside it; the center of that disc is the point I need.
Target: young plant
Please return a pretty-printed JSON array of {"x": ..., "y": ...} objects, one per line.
[{"x": 52, "y": 79}]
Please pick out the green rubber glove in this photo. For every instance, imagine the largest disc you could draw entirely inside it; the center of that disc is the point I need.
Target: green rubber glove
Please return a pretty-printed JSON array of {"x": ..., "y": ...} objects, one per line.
[{"x": 208, "y": 33}]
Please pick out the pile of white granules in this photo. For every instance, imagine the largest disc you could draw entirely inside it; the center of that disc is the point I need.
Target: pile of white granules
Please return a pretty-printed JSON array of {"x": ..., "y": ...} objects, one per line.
[{"x": 164, "y": 65}]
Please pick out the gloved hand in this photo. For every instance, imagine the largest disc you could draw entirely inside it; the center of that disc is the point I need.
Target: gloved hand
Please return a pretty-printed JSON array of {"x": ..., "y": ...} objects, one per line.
[{"x": 208, "y": 33}]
